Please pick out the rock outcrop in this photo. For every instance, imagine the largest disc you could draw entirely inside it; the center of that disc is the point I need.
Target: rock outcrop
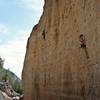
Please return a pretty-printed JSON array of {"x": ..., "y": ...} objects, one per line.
[
  {"x": 55, "y": 66},
  {"x": 4, "y": 96},
  {"x": 7, "y": 92}
]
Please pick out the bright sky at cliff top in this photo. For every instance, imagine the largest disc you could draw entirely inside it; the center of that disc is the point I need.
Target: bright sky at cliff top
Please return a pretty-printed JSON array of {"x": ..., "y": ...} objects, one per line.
[{"x": 17, "y": 17}]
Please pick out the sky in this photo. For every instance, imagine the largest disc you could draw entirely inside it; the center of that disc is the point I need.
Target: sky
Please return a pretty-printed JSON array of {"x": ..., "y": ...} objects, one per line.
[{"x": 17, "y": 18}]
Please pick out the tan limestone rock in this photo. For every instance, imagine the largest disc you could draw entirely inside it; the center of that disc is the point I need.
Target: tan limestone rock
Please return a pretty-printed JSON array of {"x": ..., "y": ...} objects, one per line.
[{"x": 55, "y": 66}]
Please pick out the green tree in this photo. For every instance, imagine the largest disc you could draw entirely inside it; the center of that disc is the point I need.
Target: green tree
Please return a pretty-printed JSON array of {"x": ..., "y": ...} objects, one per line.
[
  {"x": 9, "y": 75},
  {"x": 17, "y": 86},
  {"x": 1, "y": 62}
]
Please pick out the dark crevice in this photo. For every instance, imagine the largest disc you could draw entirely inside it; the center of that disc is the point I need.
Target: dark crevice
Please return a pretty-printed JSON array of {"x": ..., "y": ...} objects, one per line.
[{"x": 43, "y": 34}]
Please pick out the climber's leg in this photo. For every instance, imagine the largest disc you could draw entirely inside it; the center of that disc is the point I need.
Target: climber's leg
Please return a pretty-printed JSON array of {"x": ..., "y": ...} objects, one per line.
[{"x": 86, "y": 53}]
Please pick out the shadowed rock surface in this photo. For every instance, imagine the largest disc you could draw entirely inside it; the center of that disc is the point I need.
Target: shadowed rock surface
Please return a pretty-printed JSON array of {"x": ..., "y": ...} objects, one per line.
[{"x": 55, "y": 66}]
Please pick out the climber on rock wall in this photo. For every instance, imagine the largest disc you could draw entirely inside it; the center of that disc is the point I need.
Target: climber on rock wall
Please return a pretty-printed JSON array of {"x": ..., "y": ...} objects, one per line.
[
  {"x": 83, "y": 41},
  {"x": 83, "y": 44}
]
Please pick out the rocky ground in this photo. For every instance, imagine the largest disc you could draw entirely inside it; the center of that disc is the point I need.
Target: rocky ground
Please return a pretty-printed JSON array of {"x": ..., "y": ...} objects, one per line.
[
  {"x": 4, "y": 96},
  {"x": 7, "y": 92}
]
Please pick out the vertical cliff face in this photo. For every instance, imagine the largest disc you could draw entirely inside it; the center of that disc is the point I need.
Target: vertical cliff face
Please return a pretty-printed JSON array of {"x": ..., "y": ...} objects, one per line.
[{"x": 56, "y": 67}]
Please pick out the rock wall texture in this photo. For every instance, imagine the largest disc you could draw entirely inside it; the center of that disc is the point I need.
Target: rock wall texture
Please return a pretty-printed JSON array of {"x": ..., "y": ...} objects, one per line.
[{"x": 55, "y": 66}]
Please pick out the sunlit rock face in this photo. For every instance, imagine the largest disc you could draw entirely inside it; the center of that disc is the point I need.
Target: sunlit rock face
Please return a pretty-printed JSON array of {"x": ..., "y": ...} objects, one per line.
[{"x": 56, "y": 67}]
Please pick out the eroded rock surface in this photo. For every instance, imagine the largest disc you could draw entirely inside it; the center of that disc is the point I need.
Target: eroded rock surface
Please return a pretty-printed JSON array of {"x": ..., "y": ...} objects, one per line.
[{"x": 55, "y": 66}]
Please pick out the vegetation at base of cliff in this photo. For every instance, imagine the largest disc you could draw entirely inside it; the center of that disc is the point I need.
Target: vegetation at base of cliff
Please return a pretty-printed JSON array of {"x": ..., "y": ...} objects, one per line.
[
  {"x": 14, "y": 81},
  {"x": 1, "y": 62},
  {"x": 7, "y": 76}
]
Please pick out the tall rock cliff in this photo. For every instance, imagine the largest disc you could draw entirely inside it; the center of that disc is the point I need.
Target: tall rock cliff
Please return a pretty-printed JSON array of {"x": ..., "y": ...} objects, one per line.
[{"x": 57, "y": 66}]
